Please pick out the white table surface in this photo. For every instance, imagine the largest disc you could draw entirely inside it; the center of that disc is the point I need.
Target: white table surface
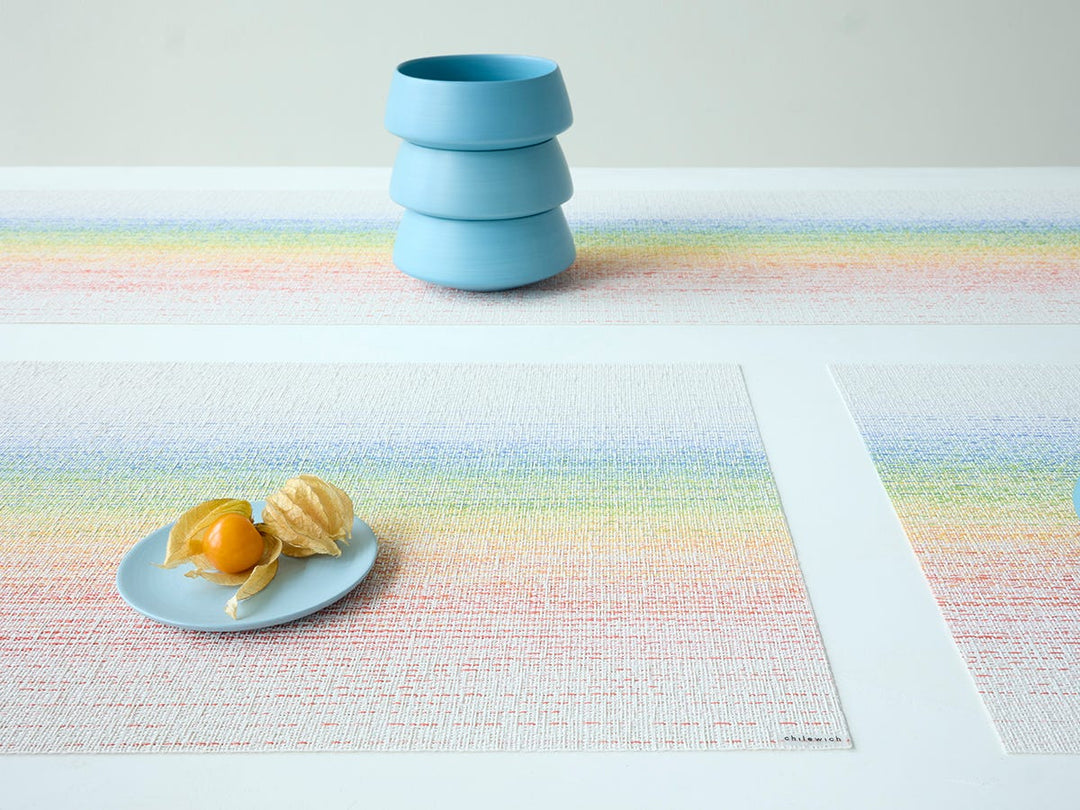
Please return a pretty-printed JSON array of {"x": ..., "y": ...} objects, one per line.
[{"x": 921, "y": 736}]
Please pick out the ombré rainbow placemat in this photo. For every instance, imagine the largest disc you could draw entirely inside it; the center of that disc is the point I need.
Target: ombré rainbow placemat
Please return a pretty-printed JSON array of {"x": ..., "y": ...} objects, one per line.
[
  {"x": 666, "y": 257},
  {"x": 980, "y": 464},
  {"x": 571, "y": 557}
]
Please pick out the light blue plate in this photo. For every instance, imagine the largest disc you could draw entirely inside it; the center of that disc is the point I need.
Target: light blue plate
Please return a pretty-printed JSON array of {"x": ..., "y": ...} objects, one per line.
[{"x": 301, "y": 587}]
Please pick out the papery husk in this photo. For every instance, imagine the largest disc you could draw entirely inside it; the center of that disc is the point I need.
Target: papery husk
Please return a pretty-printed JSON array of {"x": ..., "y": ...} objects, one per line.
[
  {"x": 309, "y": 516},
  {"x": 260, "y": 577}
]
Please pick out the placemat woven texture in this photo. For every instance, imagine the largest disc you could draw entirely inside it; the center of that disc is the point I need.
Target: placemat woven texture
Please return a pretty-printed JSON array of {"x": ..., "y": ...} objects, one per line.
[
  {"x": 980, "y": 463},
  {"x": 571, "y": 557},
  {"x": 693, "y": 257}
]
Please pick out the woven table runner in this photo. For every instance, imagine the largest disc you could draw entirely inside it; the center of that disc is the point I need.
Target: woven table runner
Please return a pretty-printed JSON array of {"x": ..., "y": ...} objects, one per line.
[
  {"x": 980, "y": 464},
  {"x": 659, "y": 257},
  {"x": 571, "y": 557}
]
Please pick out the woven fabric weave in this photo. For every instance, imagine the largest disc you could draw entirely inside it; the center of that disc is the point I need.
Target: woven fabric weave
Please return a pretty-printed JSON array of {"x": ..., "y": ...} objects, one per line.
[
  {"x": 571, "y": 557},
  {"x": 797, "y": 257},
  {"x": 980, "y": 463}
]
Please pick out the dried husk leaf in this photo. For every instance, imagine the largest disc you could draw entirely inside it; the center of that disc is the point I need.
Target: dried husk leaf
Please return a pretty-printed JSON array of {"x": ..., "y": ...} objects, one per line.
[
  {"x": 288, "y": 521},
  {"x": 309, "y": 516},
  {"x": 186, "y": 536},
  {"x": 204, "y": 569},
  {"x": 335, "y": 505},
  {"x": 260, "y": 577}
]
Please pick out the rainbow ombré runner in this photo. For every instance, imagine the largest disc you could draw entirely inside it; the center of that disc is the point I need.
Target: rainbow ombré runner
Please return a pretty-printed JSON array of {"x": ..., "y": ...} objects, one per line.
[
  {"x": 644, "y": 257},
  {"x": 572, "y": 557},
  {"x": 980, "y": 463}
]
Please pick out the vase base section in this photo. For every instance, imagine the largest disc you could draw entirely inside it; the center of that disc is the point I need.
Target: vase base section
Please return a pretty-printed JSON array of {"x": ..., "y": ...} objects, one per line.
[{"x": 484, "y": 255}]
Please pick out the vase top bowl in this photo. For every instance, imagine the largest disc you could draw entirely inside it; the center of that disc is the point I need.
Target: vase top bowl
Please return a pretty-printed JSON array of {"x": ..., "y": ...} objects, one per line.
[{"x": 475, "y": 102}]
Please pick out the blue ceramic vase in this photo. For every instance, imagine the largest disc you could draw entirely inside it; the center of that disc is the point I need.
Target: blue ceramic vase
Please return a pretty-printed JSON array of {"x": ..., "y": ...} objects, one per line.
[{"x": 480, "y": 173}]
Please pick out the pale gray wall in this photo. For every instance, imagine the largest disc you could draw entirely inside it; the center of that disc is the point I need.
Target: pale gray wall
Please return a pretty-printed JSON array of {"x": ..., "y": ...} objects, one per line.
[{"x": 728, "y": 83}]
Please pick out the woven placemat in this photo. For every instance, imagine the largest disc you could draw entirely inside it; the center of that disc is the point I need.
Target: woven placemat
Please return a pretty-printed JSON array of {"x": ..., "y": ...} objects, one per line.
[
  {"x": 690, "y": 257},
  {"x": 980, "y": 464},
  {"x": 571, "y": 557}
]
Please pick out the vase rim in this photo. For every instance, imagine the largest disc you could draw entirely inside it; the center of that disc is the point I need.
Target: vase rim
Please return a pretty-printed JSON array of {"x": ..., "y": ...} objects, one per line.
[{"x": 477, "y": 68}]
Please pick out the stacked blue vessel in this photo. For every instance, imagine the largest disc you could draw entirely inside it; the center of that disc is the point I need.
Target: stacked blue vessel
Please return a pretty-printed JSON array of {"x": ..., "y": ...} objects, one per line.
[{"x": 480, "y": 173}]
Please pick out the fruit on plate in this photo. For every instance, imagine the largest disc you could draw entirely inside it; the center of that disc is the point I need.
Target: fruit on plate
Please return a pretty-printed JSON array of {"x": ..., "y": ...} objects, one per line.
[{"x": 307, "y": 516}]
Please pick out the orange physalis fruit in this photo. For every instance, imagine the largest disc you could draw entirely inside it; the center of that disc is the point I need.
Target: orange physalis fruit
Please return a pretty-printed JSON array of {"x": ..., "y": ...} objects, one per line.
[{"x": 233, "y": 544}]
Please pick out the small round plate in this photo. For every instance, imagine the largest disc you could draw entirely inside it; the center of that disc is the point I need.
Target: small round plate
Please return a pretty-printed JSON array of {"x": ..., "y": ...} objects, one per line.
[{"x": 301, "y": 587}]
